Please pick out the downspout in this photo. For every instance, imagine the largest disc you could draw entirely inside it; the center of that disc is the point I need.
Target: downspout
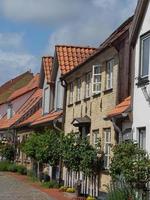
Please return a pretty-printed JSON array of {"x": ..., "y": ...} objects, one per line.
[
  {"x": 117, "y": 129},
  {"x": 55, "y": 125},
  {"x": 64, "y": 84}
]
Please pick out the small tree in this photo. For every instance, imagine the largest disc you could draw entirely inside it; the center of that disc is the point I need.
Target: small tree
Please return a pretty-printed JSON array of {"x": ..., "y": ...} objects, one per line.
[
  {"x": 132, "y": 163},
  {"x": 29, "y": 147},
  {"x": 7, "y": 151}
]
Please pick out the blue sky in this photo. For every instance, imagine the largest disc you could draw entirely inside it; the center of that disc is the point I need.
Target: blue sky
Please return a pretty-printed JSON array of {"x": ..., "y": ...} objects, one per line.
[{"x": 30, "y": 29}]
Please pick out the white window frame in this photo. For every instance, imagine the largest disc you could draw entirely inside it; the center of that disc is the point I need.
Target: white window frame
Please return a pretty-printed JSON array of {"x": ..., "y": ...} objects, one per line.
[
  {"x": 95, "y": 134},
  {"x": 88, "y": 84},
  {"x": 107, "y": 144},
  {"x": 109, "y": 74},
  {"x": 71, "y": 89},
  {"x": 142, "y": 137},
  {"x": 46, "y": 104},
  {"x": 9, "y": 111},
  {"x": 96, "y": 83},
  {"x": 78, "y": 89},
  {"x": 141, "y": 55}
]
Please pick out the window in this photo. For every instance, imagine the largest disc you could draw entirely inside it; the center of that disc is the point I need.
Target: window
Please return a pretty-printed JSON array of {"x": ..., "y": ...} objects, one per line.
[
  {"x": 46, "y": 100},
  {"x": 71, "y": 93},
  {"x": 142, "y": 137},
  {"x": 109, "y": 73},
  {"x": 145, "y": 56},
  {"x": 78, "y": 91},
  {"x": 9, "y": 111},
  {"x": 59, "y": 96},
  {"x": 95, "y": 137},
  {"x": 107, "y": 142},
  {"x": 96, "y": 79},
  {"x": 88, "y": 85}
]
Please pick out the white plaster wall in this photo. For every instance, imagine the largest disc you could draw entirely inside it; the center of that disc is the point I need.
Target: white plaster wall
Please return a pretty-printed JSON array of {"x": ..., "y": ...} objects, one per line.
[
  {"x": 141, "y": 108},
  {"x": 59, "y": 92},
  {"x": 47, "y": 101}
]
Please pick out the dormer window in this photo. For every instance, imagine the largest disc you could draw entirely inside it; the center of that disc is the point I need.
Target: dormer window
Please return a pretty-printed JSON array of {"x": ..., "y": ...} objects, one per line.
[
  {"x": 46, "y": 101},
  {"x": 9, "y": 111},
  {"x": 145, "y": 56}
]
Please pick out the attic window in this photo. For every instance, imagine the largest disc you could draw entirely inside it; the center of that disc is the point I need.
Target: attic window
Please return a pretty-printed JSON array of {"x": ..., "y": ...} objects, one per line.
[
  {"x": 9, "y": 111},
  {"x": 144, "y": 56}
]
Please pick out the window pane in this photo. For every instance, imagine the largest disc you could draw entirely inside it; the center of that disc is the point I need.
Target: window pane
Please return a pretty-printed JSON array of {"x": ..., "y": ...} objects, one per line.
[
  {"x": 96, "y": 69},
  {"x": 145, "y": 60},
  {"x": 97, "y": 78},
  {"x": 142, "y": 138},
  {"x": 109, "y": 71}
]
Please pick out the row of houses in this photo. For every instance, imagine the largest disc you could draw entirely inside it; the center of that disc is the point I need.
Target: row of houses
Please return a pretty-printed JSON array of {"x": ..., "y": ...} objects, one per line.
[{"x": 101, "y": 93}]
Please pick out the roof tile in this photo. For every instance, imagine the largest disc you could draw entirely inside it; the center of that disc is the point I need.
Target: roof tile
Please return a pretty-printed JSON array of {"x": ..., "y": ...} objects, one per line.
[
  {"x": 71, "y": 56},
  {"x": 47, "y": 62},
  {"x": 120, "y": 108},
  {"x": 47, "y": 118},
  {"x": 29, "y": 104},
  {"x": 33, "y": 84}
]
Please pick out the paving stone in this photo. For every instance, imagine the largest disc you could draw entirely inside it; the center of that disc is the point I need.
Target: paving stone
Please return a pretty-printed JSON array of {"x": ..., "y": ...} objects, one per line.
[{"x": 12, "y": 189}]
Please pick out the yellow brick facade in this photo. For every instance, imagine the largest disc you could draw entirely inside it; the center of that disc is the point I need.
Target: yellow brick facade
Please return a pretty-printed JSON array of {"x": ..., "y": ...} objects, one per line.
[{"x": 95, "y": 107}]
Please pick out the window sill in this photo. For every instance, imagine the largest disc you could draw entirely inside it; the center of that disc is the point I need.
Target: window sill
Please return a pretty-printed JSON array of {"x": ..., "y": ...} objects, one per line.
[
  {"x": 78, "y": 102},
  {"x": 71, "y": 104},
  {"x": 108, "y": 90},
  {"x": 142, "y": 81},
  {"x": 96, "y": 95},
  {"x": 86, "y": 98}
]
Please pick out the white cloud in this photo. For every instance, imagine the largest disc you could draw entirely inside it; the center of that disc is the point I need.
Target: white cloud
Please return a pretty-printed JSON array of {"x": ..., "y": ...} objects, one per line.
[
  {"x": 17, "y": 61},
  {"x": 41, "y": 10},
  {"x": 13, "y": 57},
  {"x": 11, "y": 40},
  {"x": 78, "y": 22},
  {"x": 12, "y": 64},
  {"x": 92, "y": 28}
]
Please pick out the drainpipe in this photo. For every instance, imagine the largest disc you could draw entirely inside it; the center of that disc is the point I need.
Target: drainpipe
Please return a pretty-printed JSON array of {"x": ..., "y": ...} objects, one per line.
[
  {"x": 118, "y": 130},
  {"x": 64, "y": 84},
  {"x": 55, "y": 125}
]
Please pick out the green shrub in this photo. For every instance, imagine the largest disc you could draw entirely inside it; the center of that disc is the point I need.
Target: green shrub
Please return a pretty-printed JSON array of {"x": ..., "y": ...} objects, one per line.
[
  {"x": 31, "y": 173},
  {"x": 12, "y": 167},
  {"x": 8, "y": 152},
  {"x": 4, "y": 165},
  {"x": 21, "y": 170},
  {"x": 63, "y": 188},
  {"x": 70, "y": 190},
  {"x": 50, "y": 184},
  {"x": 90, "y": 198}
]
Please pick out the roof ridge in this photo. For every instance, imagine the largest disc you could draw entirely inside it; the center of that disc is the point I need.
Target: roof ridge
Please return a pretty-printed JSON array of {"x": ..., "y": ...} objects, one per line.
[
  {"x": 48, "y": 56},
  {"x": 17, "y": 77},
  {"x": 75, "y": 46},
  {"x": 124, "y": 24}
]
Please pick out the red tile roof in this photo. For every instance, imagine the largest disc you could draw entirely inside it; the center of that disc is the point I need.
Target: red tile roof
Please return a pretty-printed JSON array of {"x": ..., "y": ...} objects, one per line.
[
  {"x": 71, "y": 56},
  {"x": 47, "y": 118},
  {"x": 10, "y": 86},
  {"x": 31, "y": 119},
  {"x": 47, "y": 62},
  {"x": 29, "y": 104},
  {"x": 33, "y": 84},
  {"x": 120, "y": 108}
]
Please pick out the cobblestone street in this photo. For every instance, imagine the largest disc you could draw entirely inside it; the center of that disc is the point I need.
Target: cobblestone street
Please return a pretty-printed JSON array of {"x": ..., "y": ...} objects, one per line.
[{"x": 13, "y": 189}]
